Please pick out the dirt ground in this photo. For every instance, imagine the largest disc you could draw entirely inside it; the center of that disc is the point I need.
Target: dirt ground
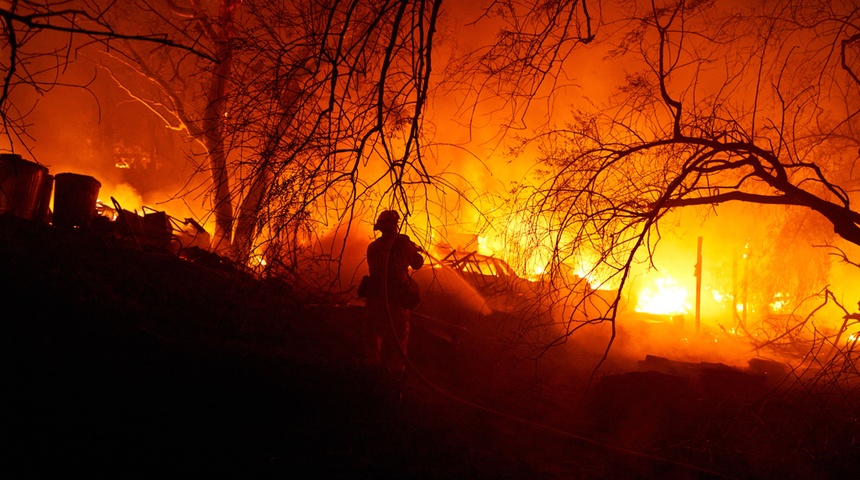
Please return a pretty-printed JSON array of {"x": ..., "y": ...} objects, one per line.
[{"x": 124, "y": 363}]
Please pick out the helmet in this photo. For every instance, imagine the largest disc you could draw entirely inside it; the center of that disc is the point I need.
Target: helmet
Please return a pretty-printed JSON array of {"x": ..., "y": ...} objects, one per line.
[{"x": 387, "y": 220}]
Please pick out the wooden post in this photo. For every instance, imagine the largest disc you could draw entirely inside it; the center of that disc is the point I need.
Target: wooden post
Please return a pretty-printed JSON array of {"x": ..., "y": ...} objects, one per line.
[
  {"x": 735, "y": 291},
  {"x": 698, "y": 284},
  {"x": 746, "y": 286}
]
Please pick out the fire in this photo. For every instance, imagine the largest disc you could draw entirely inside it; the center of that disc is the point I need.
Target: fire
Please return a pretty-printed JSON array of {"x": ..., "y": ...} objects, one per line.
[
  {"x": 721, "y": 297},
  {"x": 598, "y": 275},
  {"x": 530, "y": 255},
  {"x": 780, "y": 303},
  {"x": 257, "y": 261},
  {"x": 663, "y": 297},
  {"x": 517, "y": 246},
  {"x": 125, "y": 195}
]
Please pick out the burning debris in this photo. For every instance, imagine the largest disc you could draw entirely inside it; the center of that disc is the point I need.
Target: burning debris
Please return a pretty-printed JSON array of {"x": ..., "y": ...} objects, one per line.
[
  {"x": 27, "y": 190},
  {"x": 154, "y": 230}
]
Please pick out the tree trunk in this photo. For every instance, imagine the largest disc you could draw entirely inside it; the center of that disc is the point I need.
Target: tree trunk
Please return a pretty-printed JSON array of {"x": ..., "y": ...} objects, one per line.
[
  {"x": 248, "y": 215},
  {"x": 213, "y": 126}
]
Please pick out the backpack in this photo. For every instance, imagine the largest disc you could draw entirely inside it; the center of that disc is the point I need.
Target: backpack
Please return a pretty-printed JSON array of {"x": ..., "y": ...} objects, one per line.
[{"x": 410, "y": 296}]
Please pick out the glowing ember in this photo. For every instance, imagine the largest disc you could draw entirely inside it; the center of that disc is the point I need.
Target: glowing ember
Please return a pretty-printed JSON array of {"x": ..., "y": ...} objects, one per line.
[
  {"x": 781, "y": 301},
  {"x": 663, "y": 297},
  {"x": 720, "y": 297},
  {"x": 257, "y": 260}
]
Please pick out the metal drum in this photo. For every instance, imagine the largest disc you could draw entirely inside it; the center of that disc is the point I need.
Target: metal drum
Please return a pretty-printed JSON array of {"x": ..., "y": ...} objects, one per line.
[
  {"x": 21, "y": 186},
  {"x": 75, "y": 199}
]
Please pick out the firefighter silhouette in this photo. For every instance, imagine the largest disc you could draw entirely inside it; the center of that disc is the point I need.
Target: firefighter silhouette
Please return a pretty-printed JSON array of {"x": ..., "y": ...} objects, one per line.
[{"x": 389, "y": 297}]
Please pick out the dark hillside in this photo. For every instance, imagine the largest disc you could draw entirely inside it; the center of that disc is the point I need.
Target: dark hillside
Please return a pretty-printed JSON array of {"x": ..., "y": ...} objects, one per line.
[{"x": 122, "y": 363}]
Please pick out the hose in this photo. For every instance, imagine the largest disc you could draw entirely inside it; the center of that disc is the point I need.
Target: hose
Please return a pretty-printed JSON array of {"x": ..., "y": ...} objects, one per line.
[{"x": 412, "y": 369}]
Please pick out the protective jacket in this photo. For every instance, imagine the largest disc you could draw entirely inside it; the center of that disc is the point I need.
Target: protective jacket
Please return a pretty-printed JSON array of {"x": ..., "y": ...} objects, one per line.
[{"x": 388, "y": 260}]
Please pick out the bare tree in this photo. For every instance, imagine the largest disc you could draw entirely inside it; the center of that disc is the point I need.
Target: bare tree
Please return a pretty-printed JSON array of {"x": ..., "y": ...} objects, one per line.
[
  {"x": 301, "y": 99},
  {"x": 754, "y": 104},
  {"x": 189, "y": 94}
]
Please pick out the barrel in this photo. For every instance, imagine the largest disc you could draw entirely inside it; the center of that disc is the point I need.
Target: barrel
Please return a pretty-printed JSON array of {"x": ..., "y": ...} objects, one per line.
[
  {"x": 21, "y": 186},
  {"x": 75, "y": 198}
]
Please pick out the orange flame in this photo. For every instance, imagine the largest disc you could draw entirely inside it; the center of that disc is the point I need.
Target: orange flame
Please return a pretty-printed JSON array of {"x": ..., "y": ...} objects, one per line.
[{"x": 663, "y": 297}]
